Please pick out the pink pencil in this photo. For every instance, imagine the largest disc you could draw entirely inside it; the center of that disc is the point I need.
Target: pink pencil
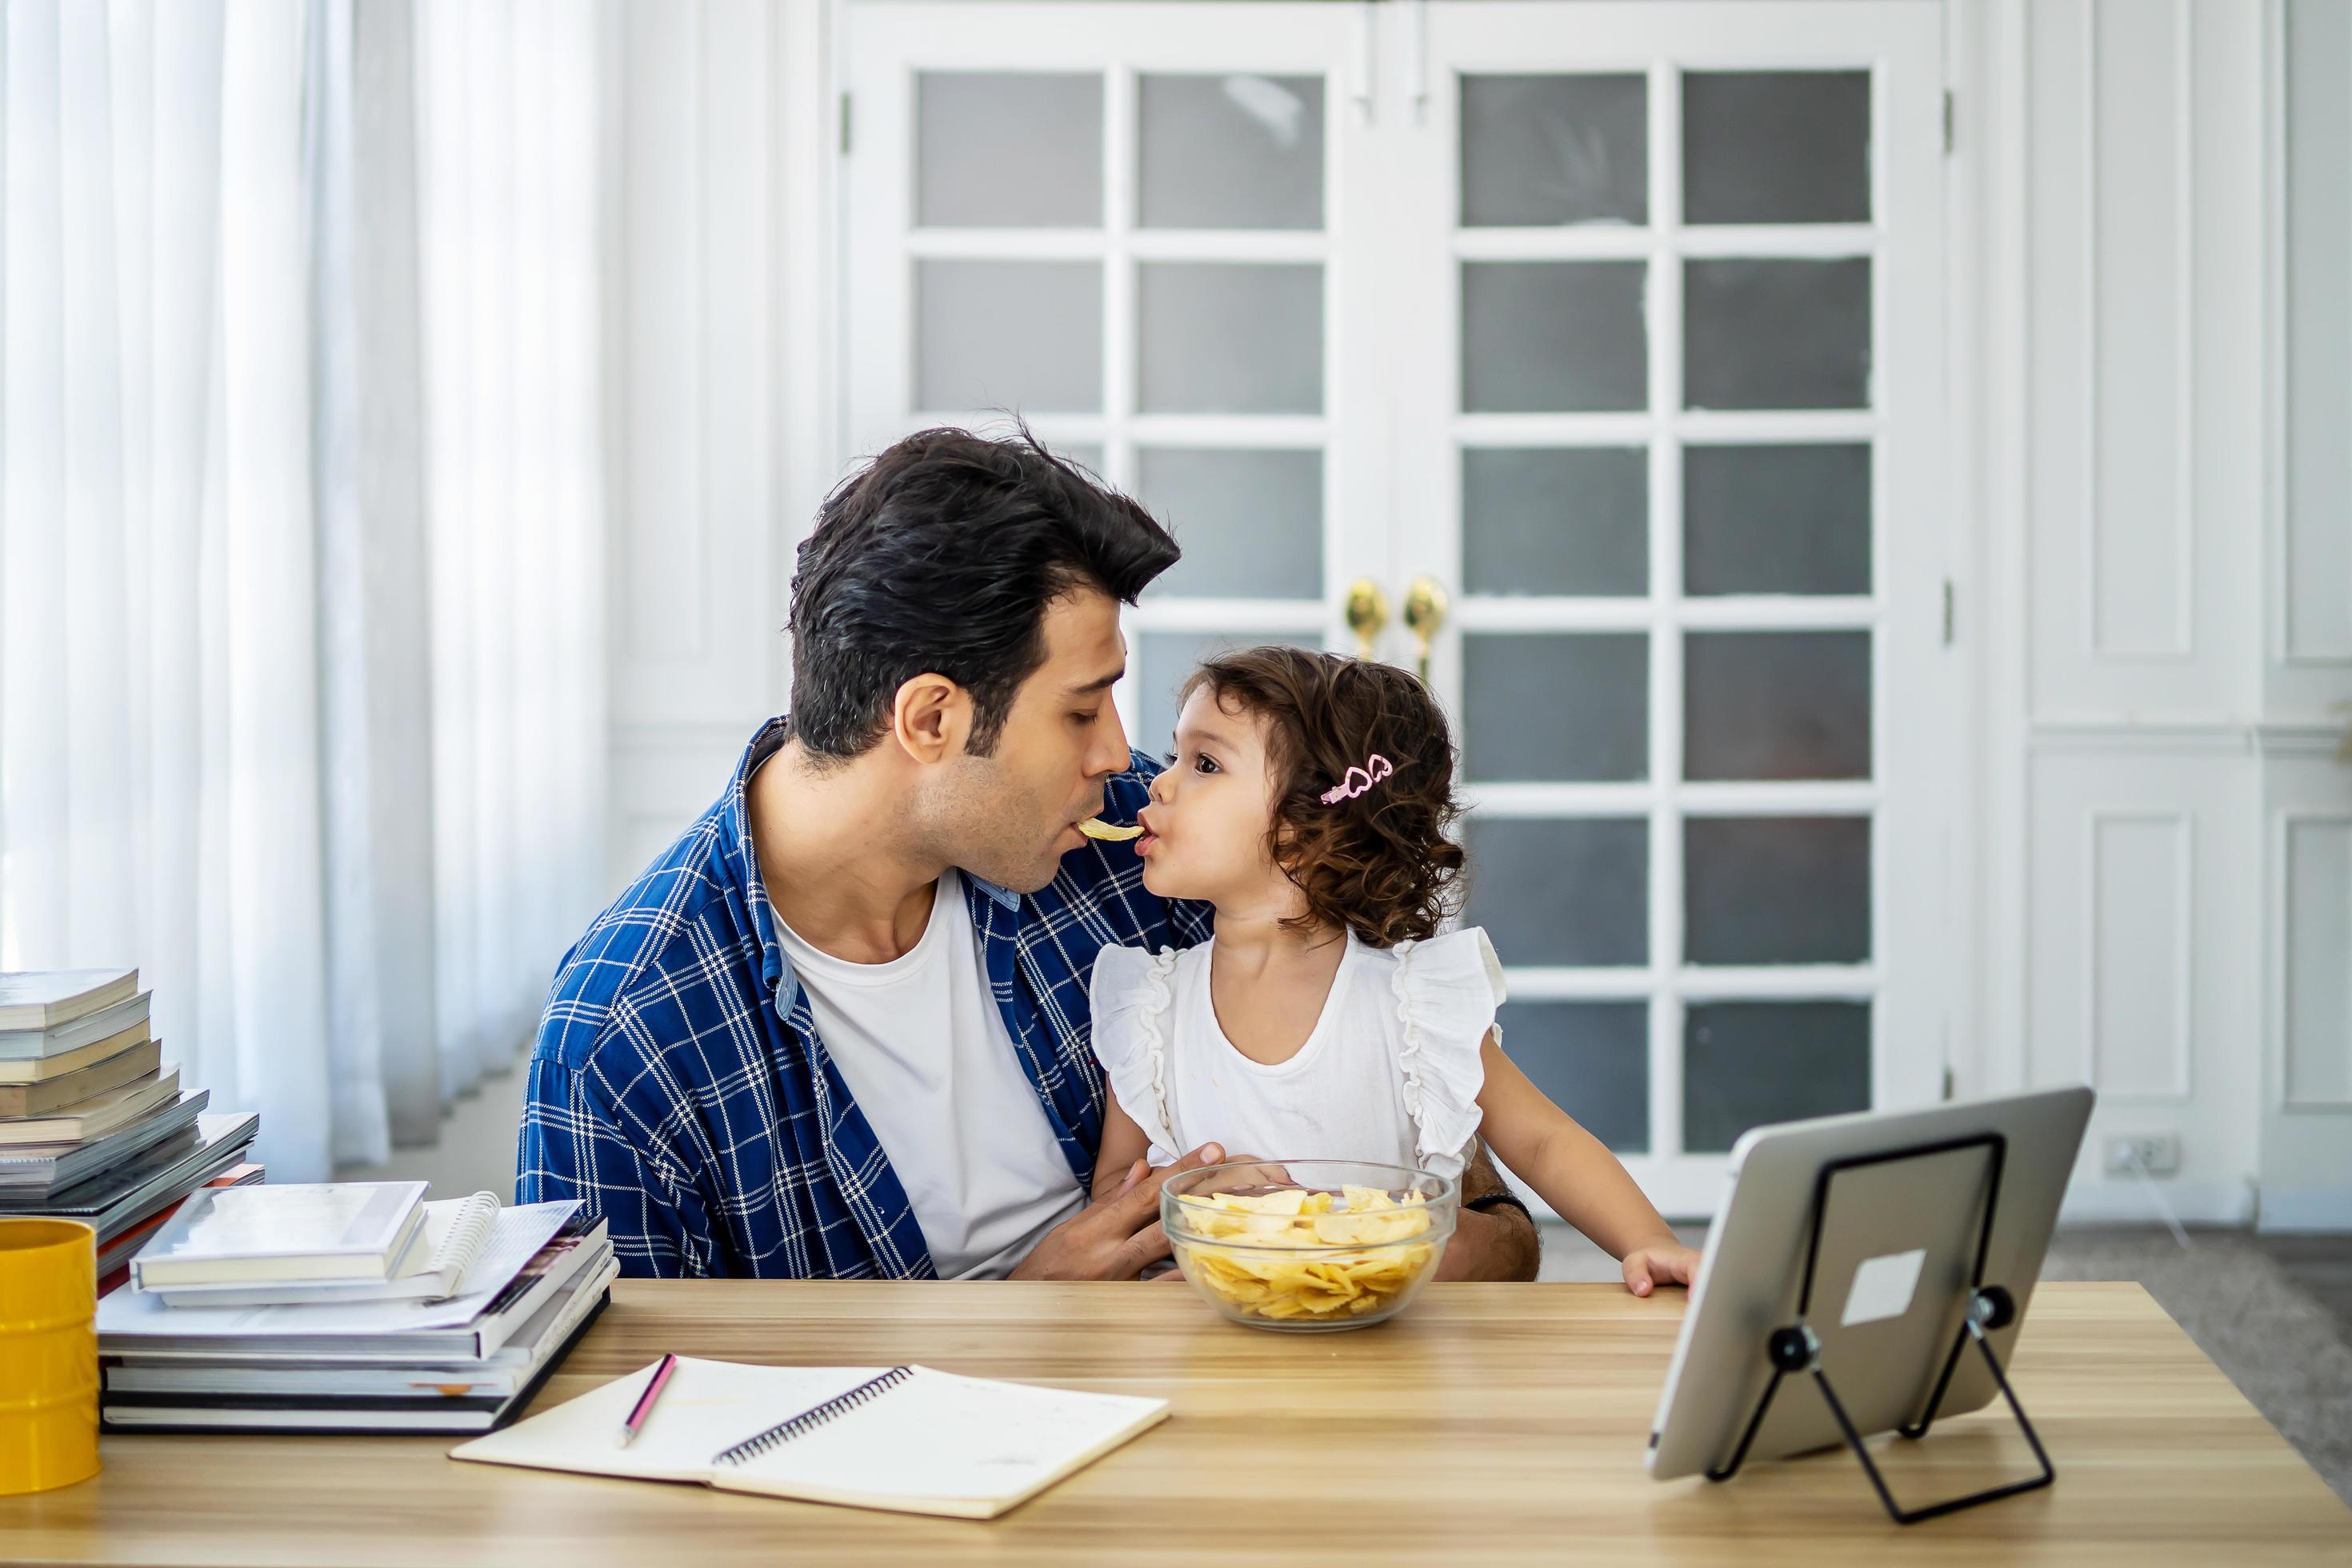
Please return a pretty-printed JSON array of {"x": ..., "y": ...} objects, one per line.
[{"x": 645, "y": 1404}]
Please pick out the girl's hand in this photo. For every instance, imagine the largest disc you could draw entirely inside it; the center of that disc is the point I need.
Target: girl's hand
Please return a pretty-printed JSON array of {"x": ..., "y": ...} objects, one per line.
[{"x": 1667, "y": 1263}]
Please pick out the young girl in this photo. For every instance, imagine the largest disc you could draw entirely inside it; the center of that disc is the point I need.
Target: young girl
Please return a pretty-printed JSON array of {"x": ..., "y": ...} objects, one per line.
[{"x": 1307, "y": 800}]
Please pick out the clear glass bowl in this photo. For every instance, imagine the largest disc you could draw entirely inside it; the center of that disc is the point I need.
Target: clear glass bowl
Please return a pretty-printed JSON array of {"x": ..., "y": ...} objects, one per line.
[{"x": 1308, "y": 1246}]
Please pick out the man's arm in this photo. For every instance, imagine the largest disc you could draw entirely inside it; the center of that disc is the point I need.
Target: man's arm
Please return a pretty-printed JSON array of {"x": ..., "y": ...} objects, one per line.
[
  {"x": 572, "y": 1146},
  {"x": 1118, "y": 1235},
  {"x": 1495, "y": 1244}
]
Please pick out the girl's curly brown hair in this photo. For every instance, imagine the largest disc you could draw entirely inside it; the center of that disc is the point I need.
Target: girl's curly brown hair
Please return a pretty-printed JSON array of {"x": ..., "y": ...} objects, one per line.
[{"x": 1382, "y": 864}]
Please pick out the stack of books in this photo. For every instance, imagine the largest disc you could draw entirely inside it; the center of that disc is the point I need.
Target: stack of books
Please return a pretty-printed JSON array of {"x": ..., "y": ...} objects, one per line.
[
  {"x": 348, "y": 1307},
  {"x": 94, "y": 1124}
]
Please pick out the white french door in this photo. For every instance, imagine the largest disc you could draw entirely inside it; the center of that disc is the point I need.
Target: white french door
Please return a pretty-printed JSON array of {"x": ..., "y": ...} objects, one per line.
[
  {"x": 1603, "y": 342},
  {"x": 1137, "y": 227}
]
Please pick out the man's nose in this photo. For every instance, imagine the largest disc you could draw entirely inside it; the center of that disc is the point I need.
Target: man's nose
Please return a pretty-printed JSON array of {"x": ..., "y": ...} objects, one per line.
[{"x": 1112, "y": 755}]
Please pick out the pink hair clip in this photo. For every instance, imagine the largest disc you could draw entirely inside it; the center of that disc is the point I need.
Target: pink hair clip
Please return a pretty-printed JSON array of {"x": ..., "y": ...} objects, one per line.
[{"x": 1357, "y": 780}]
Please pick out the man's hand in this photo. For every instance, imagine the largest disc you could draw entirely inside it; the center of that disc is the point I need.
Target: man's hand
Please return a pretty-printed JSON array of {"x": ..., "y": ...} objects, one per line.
[
  {"x": 1497, "y": 1245},
  {"x": 1114, "y": 1237}
]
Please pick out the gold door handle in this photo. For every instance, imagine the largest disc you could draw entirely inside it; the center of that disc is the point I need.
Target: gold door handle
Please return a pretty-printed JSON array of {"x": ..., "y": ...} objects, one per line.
[
  {"x": 1368, "y": 613},
  {"x": 1424, "y": 612}
]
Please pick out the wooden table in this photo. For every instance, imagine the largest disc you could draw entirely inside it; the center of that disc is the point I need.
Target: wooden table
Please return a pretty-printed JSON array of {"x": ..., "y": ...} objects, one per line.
[{"x": 1490, "y": 1422}]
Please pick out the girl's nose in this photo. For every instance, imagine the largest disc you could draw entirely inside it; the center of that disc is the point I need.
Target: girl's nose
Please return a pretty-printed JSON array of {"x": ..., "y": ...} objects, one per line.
[{"x": 1159, "y": 796}]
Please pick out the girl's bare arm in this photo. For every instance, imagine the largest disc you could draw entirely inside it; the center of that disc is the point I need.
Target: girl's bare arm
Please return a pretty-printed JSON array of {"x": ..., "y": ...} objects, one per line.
[
  {"x": 1123, "y": 1144},
  {"x": 1571, "y": 1170}
]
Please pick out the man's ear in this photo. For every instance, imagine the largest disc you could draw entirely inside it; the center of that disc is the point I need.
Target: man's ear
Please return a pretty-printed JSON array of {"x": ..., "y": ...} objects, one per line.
[{"x": 932, "y": 718}]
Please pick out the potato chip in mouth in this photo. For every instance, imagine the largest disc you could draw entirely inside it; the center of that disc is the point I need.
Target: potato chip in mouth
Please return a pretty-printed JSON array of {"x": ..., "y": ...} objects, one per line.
[{"x": 1110, "y": 832}]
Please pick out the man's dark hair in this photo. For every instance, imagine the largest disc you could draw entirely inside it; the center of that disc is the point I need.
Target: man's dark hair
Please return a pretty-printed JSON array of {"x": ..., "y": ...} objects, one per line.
[{"x": 941, "y": 555}]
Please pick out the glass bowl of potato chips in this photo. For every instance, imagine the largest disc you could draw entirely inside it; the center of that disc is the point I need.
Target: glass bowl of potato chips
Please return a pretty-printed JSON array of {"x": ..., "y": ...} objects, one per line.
[{"x": 1307, "y": 1245}]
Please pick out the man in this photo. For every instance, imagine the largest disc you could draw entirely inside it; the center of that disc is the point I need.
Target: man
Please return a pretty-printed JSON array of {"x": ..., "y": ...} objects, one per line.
[{"x": 840, "y": 1028}]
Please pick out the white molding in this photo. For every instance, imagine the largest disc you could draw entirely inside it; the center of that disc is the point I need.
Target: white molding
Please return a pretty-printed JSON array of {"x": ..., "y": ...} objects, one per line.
[
  {"x": 1634, "y": 982},
  {"x": 1856, "y": 798},
  {"x": 1695, "y": 427},
  {"x": 2305, "y": 1210},
  {"x": 1279, "y": 246},
  {"x": 806, "y": 444},
  {"x": 2282, "y": 642},
  {"x": 1803, "y": 241},
  {"x": 1186, "y": 614},
  {"x": 2184, "y": 1011},
  {"x": 2281, "y": 966},
  {"x": 2182, "y": 644},
  {"x": 1642, "y": 613},
  {"x": 2272, "y": 737},
  {"x": 2131, "y": 1202},
  {"x": 2303, "y": 738},
  {"x": 2277, "y": 551},
  {"x": 2087, "y": 609},
  {"x": 2184, "y": 327},
  {"x": 1993, "y": 272}
]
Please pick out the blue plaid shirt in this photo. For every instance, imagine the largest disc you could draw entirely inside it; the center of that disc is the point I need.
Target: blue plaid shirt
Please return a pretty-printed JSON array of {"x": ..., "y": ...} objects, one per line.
[{"x": 677, "y": 1086}]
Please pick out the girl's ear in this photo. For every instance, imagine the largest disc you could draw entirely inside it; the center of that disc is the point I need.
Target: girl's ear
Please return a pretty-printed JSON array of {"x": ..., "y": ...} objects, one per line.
[{"x": 1281, "y": 839}]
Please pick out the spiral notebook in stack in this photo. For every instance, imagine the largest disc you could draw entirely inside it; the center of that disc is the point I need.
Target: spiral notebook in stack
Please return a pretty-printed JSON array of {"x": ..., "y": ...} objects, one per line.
[{"x": 908, "y": 1439}]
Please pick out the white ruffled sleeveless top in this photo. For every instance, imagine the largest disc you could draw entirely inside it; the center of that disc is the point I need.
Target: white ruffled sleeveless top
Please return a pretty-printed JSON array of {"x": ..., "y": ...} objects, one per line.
[{"x": 1390, "y": 1072}]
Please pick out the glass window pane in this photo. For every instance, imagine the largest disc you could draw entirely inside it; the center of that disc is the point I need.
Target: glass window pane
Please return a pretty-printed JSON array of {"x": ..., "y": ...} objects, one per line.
[
  {"x": 1776, "y": 705},
  {"x": 1573, "y": 891},
  {"x": 1555, "y": 150},
  {"x": 1232, "y": 152},
  {"x": 1250, "y": 522},
  {"x": 1746, "y": 1064},
  {"x": 1554, "y": 337},
  {"x": 1228, "y": 338},
  {"x": 1008, "y": 150},
  {"x": 1776, "y": 889},
  {"x": 1776, "y": 147},
  {"x": 1087, "y": 455},
  {"x": 1164, "y": 660},
  {"x": 1553, "y": 706},
  {"x": 1556, "y": 520},
  {"x": 1776, "y": 519},
  {"x": 1777, "y": 334},
  {"x": 1592, "y": 1059},
  {"x": 1025, "y": 336}
]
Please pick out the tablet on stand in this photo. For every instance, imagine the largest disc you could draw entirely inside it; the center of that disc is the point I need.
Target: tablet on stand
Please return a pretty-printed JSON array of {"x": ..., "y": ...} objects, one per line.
[{"x": 1886, "y": 1259}]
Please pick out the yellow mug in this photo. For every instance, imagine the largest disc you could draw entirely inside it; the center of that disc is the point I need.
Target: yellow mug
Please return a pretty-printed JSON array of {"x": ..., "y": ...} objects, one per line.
[{"x": 48, "y": 1354}]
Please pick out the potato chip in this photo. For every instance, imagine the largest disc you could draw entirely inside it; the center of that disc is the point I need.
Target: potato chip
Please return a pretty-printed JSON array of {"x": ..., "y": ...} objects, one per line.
[{"x": 1380, "y": 1262}]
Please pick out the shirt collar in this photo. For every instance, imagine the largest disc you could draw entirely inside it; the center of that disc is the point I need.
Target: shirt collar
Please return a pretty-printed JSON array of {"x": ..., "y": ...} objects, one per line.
[{"x": 735, "y": 845}]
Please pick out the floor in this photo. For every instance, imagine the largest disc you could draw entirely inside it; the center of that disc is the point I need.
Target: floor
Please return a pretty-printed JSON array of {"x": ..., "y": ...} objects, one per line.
[
  {"x": 2273, "y": 1312},
  {"x": 477, "y": 1151}
]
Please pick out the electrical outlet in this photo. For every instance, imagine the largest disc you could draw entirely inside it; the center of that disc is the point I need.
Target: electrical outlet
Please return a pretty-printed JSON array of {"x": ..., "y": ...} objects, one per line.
[{"x": 2158, "y": 1153}]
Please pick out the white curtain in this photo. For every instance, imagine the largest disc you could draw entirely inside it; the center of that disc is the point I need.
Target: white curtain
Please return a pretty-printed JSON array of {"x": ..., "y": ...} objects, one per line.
[
  {"x": 300, "y": 535},
  {"x": 508, "y": 102}
]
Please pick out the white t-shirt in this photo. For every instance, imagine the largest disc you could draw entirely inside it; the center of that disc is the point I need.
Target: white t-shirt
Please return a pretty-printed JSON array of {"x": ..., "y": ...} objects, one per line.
[
  {"x": 1390, "y": 1074},
  {"x": 926, "y": 1056}
]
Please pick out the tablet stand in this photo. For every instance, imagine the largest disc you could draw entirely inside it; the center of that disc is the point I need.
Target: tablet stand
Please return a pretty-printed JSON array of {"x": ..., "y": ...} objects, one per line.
[{"x": 1798, "y": 1349}]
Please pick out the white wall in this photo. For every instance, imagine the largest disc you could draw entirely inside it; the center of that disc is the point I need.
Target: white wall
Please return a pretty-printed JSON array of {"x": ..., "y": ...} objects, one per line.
[
  {"x": 2139, "y": 734},
  {"x": 720, "y": 427}
]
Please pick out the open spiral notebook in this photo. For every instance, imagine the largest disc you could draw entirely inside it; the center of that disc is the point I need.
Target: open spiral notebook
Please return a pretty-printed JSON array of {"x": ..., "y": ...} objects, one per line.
[{"x": 908, "y": 1439}]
